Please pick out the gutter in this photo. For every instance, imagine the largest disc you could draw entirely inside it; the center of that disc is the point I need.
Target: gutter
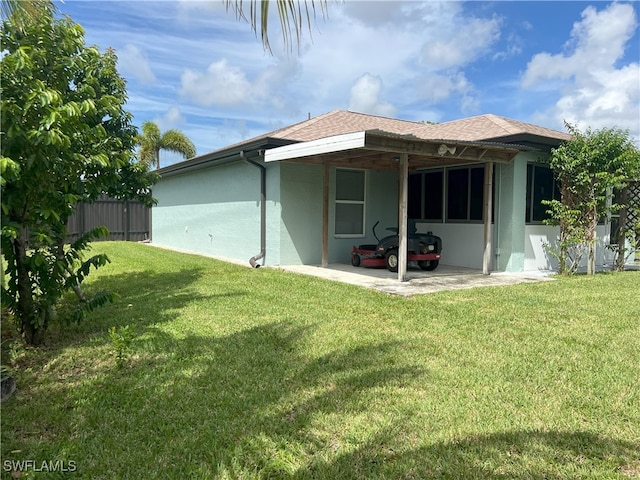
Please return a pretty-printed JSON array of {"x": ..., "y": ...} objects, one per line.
[{"x": 263, "y": 209}]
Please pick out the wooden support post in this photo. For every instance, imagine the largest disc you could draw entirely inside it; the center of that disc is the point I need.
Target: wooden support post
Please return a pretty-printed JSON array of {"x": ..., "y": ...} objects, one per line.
[
  {"x": 403, "y": 184},
  {"x": 488, "y": 207},
  {"x": 325, "y": 214}
]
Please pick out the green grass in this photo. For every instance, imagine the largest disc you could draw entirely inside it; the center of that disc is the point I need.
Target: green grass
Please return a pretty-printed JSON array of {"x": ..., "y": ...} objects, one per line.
[{"x": 241, "y": 373}]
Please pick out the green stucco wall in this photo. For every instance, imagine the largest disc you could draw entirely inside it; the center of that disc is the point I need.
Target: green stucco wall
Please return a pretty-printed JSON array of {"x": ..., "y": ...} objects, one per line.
[
  {"x": 509, "y": 232},
  {"x": 301, "y": 214},
  {"x": 214, "y": 212}
]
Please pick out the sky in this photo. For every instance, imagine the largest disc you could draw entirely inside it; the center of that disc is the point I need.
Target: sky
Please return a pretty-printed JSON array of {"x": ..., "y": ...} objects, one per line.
[{"x": 193, "y": 66}]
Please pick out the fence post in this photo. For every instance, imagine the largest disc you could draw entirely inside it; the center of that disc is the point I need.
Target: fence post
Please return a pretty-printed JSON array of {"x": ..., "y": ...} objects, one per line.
[{"x": 127, "y": 218}]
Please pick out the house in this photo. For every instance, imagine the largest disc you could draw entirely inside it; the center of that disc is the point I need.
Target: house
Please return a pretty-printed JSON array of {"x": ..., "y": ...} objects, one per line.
[{"x": 306, "y": 193}]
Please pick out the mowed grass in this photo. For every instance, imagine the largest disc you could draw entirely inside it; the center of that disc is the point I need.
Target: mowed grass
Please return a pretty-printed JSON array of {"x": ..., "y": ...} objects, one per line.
[{"x": 242, "y": 373}]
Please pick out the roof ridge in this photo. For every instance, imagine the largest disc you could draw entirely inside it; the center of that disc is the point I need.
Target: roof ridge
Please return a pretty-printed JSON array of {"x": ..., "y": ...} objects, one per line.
[
  {"x": 507, "y": 124},
  {"x": 305, "y": 123},
  {"x": 382, "y": 116}
]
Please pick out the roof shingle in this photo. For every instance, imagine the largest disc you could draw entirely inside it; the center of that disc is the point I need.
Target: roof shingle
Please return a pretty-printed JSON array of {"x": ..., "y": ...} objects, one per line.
[{"x": 479, "y": 128}]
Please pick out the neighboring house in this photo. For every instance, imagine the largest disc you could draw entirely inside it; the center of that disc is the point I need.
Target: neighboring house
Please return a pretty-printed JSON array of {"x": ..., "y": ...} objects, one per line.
[{"x": 306, "y": 193}]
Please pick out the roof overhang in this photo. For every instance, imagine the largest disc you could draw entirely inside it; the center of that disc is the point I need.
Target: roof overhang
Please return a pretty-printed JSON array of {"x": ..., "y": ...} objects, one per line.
[
  {"x": 374, "y": 149},
  {"x": 223, "y": 156}
]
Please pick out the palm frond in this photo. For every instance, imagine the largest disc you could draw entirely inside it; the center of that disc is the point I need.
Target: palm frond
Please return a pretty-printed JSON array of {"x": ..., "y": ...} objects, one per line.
[
  {"x": 24, "y": 11},
  {"x": 293, "y": 16},
  {"x": 176, "y": 141},
  {"x": 151, "y": 141}
]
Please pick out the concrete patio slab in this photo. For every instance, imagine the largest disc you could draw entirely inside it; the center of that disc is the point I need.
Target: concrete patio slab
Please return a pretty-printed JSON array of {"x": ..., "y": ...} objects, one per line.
[{"x": 418, "y": 282}]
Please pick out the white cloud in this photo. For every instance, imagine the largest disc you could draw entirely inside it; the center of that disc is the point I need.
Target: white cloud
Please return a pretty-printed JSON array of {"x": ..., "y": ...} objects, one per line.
[
  {"x": 365, "y": 97},
  {"x": 132, "y": 61},
  {"x": 172, "y": 118},
  {"x": 596, "y": 91},
  {"x": 466, "y": 45},
  {"x": 221, "y": 84}
]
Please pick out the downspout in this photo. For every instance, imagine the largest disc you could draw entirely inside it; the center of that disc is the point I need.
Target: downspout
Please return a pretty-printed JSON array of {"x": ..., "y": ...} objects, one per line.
[{"x": 253, "y": 261}]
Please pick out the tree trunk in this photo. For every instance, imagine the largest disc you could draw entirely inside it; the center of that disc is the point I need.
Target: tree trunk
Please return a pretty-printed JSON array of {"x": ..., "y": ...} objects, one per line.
[
  {"x": 31, "y": 325},
  {"x": 591, "y": 243},
  {"x": 592, "y": 223}
]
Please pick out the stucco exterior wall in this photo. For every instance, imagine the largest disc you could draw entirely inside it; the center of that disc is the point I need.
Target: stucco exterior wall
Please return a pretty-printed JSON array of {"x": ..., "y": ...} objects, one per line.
[
  {"x": 300, "y": 222},
  {"x": 462, "y": 243},
  {"x": 537, "y": 257},
  {"x": 214, "y": 212}
]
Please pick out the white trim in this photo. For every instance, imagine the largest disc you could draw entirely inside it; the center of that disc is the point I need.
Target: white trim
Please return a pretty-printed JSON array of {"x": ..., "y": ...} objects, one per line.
[{"x": 336, "y": 143}]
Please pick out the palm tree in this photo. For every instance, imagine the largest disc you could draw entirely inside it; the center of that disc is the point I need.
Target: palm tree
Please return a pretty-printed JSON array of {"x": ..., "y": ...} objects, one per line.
[
  {"x": 24, "y": 10},
  {"x": 151, "y": 141}
]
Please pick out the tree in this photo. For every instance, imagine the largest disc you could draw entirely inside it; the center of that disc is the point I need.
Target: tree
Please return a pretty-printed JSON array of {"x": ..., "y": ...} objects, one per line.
[
  {"x": 151, "y": 142},
  {"x": 66, "y": 138},
  {"x": 587, "y": 167}
]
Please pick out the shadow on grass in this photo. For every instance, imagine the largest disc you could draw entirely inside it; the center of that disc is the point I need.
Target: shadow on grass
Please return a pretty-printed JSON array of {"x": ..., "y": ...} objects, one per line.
[
  {"x": 254, "y": 404},
  {"x": 203, "y": 407},
  {"x": 142, "y": 298},
  {"x": 513, "y": 454}
]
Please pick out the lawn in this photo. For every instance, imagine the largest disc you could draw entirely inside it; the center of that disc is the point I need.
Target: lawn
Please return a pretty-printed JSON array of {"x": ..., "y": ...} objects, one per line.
[{"x": 255, "y": 373}]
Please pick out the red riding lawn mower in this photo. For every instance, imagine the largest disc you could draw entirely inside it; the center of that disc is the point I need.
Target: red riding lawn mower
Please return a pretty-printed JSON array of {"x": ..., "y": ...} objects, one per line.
[{"x": 421, "y": 248}]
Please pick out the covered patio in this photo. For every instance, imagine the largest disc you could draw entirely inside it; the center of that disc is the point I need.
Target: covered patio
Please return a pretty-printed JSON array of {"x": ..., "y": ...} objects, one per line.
[{"x": 379, "y": 150}]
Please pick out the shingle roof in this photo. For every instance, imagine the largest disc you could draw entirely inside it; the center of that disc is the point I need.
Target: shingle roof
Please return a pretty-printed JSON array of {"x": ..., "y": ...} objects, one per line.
[
  {"x": 490, "y": 127},
  {"x": 338, "y": 122},
  {"x": 473, "y": 129},
  {"x": 482, "y": 128}
]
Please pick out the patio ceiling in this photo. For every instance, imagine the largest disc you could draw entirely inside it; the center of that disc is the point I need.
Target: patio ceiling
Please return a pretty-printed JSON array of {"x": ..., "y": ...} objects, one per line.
[{"x": 374, "y": 149}]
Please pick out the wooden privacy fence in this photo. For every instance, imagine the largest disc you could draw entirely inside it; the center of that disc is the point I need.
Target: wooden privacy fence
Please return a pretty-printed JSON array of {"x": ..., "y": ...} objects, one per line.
[{"x": 127, "y": 220}]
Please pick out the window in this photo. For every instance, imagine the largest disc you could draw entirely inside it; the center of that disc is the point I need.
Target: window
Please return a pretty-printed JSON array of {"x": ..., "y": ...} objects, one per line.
[
  {"x": 350, "y": 193},
  {"x": 426, "y": 196},
  {"x": 462, "y": 194},
  {"x": 465, "y": 194},
  {"x": 541, "y": 185},
  {"x": 434, "y": 201}
]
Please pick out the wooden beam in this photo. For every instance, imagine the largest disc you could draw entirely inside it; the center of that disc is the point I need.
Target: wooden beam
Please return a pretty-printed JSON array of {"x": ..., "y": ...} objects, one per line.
[
  {"x": 403, "y": 183},
  {"x": 429, "y": 148},
  {"x": 325, "y": 214},
  {"x": 488, "y": 207}
]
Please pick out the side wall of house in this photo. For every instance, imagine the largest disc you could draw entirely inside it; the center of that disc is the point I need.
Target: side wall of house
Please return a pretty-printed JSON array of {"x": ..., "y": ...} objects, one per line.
[
  {"x": 537, "y": 256},
  {"x": 300, "y": 222},
  {"x": 215, "y": 212}
]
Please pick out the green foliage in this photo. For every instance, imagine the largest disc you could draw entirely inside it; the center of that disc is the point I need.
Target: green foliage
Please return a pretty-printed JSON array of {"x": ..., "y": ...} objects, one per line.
[
  {"x": 151, "y": 141},
  {"x": 587, "y": 167},
  {"x": 121, "y": 340},
  {"x": 66, "y": 138}
]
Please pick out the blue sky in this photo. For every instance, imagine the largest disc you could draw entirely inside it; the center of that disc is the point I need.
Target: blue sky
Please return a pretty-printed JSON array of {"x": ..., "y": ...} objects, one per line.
[{"x": 191, "y": 65}]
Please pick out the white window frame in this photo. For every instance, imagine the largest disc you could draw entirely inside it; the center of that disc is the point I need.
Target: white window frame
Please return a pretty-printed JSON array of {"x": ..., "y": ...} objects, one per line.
[{"x": 350, "y": 202}]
